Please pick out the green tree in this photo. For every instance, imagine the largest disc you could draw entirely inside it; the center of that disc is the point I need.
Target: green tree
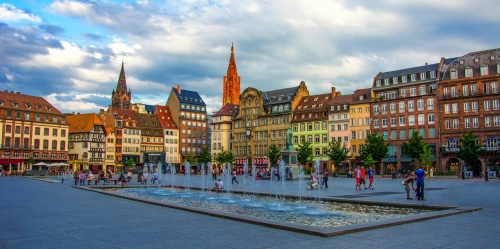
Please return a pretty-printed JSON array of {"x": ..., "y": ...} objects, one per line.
[
  {"x": 426, "y": 157},
  {"x": 469, "y": 149},
  {"x": 375, "y": 147},
  {"x": 337, "y": 152},
  {"x": 224, "y": 157},
  {"x": 205, "y": 156},
  {"x": 273, "y": 154},
  {"x": 414, "y": 147},
  {"x": 191, "y": 158},
  {"x": 130, "y": 162},
  {"x": 305, "y": 153},
  {"x": 369, "y": 161},
  {"x": 31, "y": 160}
]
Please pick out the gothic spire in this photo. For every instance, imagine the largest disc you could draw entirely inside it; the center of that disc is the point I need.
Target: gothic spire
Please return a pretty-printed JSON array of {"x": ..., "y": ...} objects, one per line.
[
  {"x": 121, "y": 86},
  {"x": 231, "y": 68},
  {"x": 231, "y": 83}
]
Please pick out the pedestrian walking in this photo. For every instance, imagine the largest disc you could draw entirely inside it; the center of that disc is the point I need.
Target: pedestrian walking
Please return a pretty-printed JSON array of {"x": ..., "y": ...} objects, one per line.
[
  {"x": 325, "y": 178},
  {"x": 432, "y": 173},
  {"x": 76, "y": 176},
  {"x": 371, "y": 174},
  {"x": 234, "y": 178},
  {"x": 357, "y": 174},
  {"x": 363, "y": 177},
  {"x": 420, "y": 174},
  {"x": 82, "y": 177}
]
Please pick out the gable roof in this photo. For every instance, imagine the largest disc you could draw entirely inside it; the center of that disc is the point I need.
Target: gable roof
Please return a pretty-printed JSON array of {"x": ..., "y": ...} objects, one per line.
[
  {"x": 227, "y": 110},
  {"x": 80, "y": 123},
  {"x": 273, "y": 95},
  {"x": 165, "y": 117},
  {"x": 126, "y": 116},
  {"x": 314, "y": 102},
  {"x": 366, "y": 93},
  {"x": 188, "y": 97},
  {"x": 343, "y": 99},
  {"x": 18, "y": 101},
  {"x": 407, "y": 71}
]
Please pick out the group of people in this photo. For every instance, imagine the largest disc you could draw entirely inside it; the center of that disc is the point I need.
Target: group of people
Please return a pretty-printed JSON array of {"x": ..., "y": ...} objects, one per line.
[
  {"x": 360, "y": 174},
  {"x": 313, "y": 182},
  {"x": 419, "y": 177}
]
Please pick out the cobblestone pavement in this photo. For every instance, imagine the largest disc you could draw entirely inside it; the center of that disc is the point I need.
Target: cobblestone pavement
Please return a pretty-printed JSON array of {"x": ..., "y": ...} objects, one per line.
[{"x": 37, "y": 214}]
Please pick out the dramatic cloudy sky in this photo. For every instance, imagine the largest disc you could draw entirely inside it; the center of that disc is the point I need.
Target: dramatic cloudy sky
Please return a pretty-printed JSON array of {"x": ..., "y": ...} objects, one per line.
[{"x": 70, "y": 51}]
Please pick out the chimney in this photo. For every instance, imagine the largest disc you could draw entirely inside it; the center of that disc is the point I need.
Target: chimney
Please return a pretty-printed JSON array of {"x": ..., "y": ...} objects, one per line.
[
  {"x": 101, "y": 111},
  {"x": 334, "y": 93},
  {"x": 179, "y": 89},
  {"x": 18, "y": 92}
]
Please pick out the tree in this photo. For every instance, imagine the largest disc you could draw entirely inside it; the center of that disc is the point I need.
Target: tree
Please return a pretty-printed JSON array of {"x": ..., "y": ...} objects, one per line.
[
  {"x": 337, "y": 152},
  {"x": 224, "y": 157},
  {"x": 305, "y": 153},
  {"x": 375, "y": 147},
  {"x": 470, "y": 150},
  {"x": 369, "y": 161},
  {"x": 130, "y": 162},
  {"x": 205, "y": 156},
  {"x": 426, "y": 156},
  {"x": 273, "y": 154},
  {"x": 191, "y": 158},
  {"x": 414, "y": 147}
]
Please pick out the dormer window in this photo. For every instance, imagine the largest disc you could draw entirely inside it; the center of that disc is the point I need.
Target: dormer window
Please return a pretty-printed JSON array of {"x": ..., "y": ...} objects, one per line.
[
  {"x": 476, "y": 59},
  {"x": 453, "y": 74},
  {"x": 300, "y": 107},
  {"x": 386, "y": 82},
  {"x": 492, "y": 57},
  {"x": 289, "y": 96},
  {"x": 280, "y": 98},
  {"x": 48, "y": 108},
  {"x": 1, "y": 103},
  {"x": 326, "y": 97},
  {"x": 484, "y": 69},
  {"x": 320, "y": 105},
  {"x": 394, "y": 80},
  {"x": 345, "y": 107},
  {"x": 338, "y": 108},
  {"x": 433, "y": 74},
  {"x": 378, "y": 82},
  {"x": 305, "y": 100},
  {"x": 313, "y": 106},
  {"x": 468, "y": 72},
  {"x": 422, "y": 76},
  {"x": 461, "y": 62},
  {"x": 316, "y": 99},
  {"x": 28, "y": 106},
  {"x": 362, "y": 97},
  {"x": 14, "y": 104},
  {"x": 413, "y": 77},
  {"x": 404, "y": 79}
]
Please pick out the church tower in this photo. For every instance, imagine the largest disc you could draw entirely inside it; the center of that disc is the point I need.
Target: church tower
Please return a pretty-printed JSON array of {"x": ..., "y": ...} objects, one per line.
[
  {"x": 231, "y": 87},
  {"x": 122, "y": 96}
]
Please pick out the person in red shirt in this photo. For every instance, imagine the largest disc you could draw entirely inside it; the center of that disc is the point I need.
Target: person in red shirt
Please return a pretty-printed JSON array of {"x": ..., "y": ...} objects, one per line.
[{"x": 363, "y": 177}]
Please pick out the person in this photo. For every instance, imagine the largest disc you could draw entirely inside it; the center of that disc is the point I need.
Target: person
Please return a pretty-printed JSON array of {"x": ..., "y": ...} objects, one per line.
[
  {"x": 122, "y": 180},
  {"x": 290, "y": 173},
  {"x": 129, "y": 175},
  {"x": 357, "y": 174},
  {"x": 325, "y": 178},
  {"x": 420, "y": 174},
  {"x": 76, "y": 175},
  {"x": 363, "y": 178},
  {"x": 432, "y": 173},
  {"x": 234, "y": 178},
  {"x": 286, "y": 172},
  {"x": 349, "y": 173},
  {"x": 406, "y": 183},
  {"x": 219, "y": 185},
  {"x": 155, "y": 176},
  {"x": 90, "y": 177},
  {"x": 371, "y": 174},
  {"x": 144, "y": 178},
  {"x": 214, "y": 174},
  {"x": 82, "y": 178}
]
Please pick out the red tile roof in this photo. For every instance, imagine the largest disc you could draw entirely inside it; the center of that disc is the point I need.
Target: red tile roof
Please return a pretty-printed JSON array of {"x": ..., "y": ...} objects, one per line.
[
  {"x": 341, "y": 99},
  {"x": 227, "y": 110},
  {"x": 314, "y": 102},
  {"x": 19, "y": 101},
  {"x": 165, "y": 117},
  {"x": 127, "y": 116},
  {"x": 79, "y": 123}
]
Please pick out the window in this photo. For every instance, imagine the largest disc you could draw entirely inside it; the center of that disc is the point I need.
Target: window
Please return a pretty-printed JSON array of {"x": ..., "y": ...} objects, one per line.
[
  {"x": 360, "y": 121},
  {"x": 411, "y": 106},
  {"x": 422, "y": 90},
  {"x": 45, "y": 131},
  {"x": 395, "y": 80},
  {"x": 455, "y": 123},
  {"x": 487, "y": 106},
  {"x": 454, "y": 107},
  {"x": 432, "y": 132},
  {"x": 433, "y": 74},
  {"x": 496, "y": 121},
  {"x": 447, "y": 123},
  {"x": 487, "y": 121},
  {"x": 346, "y": 139},
  {"x": 386, "y": 82},
  {"x": 324, "y": 138},
  {"x": 413, "y": 77},
  {"x": 466, "y": 107},
  {"x": 413, "y": 91},
  {"x": 316, "y": 139},
  {"x": 402, "y": 120},
  {"x": 401, "y": 106},
  {"x": 62, "y": 145},
  {"x": 353, "y": 149},
  {"x": 26, "y": 130},
  {"x": 468, "y": 72},
  {"x": 465, "y": 90},
  {"x": 454, "y": 91},
  {"x": 420, "y": 104},
  {"x": 37, "y": 130},
  {"x": 385, "y": 134},
  {"x": 376, "y": 123},
  {"x": 421, "y": 119},
  {"x": 402, "y": 134},
  {"x": 384, "y": 122},
  {"x": 346, "y": 127},
  {"x": 474, "y": 106},
  {"x": 467, "y": 122},
  {"x": 494, "y": 87},
  {"x": 430, "y": 118},
  {"x": 393, "y": 107},
  {"x": 394, "y": 135},
  {"x": 367, "y": 121},
  {"x": 353, "y": 134},
  {"x": 453, "y": 74},
  {"x": 404, "y": 92},
  {"x": 339, "y": 127},
  {"x": 411, "y": 120},
  {"x": 404, "y": 79},
  {"x": 18, "y": 129},
  {"x": 393, "y": 121},
  {"x": 473, "y": 89},
  {"x": 475, "y": 122},
  {"x": 422, "y": 76},
  {"x": 378, "y": 82},
  {"x": 54, "y": 132},
  {"x": 353, "y": 110},
  {"x": 495, "y": 104},
  {"x": 353, "y": 122},
  {"x": 375, "y": 109}
]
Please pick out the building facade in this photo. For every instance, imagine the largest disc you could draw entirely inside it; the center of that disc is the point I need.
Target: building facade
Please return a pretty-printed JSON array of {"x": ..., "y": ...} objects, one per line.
[
  {"x": 30, "y": 127},
  {"x": 359, "y": 126},
  {"x": 128, "y": 128},
  {"x": 87, "y": 140},
  {"x": 222, "y": 129},
  {"x": 170, "y": 132},
  {"x": 469, "y": 100},
  {"x": 405, "y": 101},
  {"x": 189, "y": 112},
  {"x": 152, "y": 139},
  {"x": 338, "y": 120}
]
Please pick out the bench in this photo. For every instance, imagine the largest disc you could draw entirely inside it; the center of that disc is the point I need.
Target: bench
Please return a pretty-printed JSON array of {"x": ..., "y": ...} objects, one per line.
[{"x": 113, "y": 180}]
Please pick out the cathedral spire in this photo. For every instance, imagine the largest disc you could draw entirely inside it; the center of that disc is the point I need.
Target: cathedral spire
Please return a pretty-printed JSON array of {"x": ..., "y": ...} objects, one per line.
[
  {"x": 231, "y": 84},
  {"x": 121, "y": 86}
]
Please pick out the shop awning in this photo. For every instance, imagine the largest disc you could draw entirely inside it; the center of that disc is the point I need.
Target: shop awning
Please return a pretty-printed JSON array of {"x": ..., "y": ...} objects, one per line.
[{"x": 6, "y": 161}]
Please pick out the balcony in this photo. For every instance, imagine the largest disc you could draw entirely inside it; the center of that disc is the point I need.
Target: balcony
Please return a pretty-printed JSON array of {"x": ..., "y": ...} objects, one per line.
[{"x": 96, "y": 149}]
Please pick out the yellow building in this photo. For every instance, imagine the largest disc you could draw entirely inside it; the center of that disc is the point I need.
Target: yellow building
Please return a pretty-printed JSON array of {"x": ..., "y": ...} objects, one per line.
[
  {"x": 222, "y": 129},
  {"x": 359, "y": 126}
]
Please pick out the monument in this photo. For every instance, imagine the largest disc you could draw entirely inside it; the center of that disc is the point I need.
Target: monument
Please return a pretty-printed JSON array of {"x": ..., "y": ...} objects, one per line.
[{"x": 289, "y": 154}]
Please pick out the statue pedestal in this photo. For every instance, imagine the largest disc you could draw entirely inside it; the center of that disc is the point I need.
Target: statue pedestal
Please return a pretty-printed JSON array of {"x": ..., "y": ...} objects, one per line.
[{"x": 290, "y": 159}]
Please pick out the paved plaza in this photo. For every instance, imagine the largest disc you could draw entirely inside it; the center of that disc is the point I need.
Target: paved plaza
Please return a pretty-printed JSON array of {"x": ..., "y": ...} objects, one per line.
[{"x": 38, "y": 214}]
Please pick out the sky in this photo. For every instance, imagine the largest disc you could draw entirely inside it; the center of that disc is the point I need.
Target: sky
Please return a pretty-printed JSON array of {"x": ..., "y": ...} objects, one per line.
[{"x": 70, "y": 51}]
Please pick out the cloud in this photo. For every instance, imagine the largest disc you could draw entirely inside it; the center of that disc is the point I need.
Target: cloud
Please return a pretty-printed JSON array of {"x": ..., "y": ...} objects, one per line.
[
  {"x": 51, "y": 29},
  {"x": 92, "y": 37},
  {"x": 9, "y": 13}
]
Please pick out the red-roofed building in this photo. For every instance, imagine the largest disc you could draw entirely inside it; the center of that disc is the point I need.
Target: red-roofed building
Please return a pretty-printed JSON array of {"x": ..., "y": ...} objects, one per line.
[
  {"x": 30, "y": 127},
  {"x": 339, "y": 123},
  {"x": 128, "y": 135},
  {"x": 170, "y": 133},
  {"x": 222, "y": 128}
]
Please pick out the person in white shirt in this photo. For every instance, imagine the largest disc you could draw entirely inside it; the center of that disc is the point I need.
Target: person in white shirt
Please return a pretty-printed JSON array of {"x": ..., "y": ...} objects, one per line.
[{"x": 219, "y": 185}]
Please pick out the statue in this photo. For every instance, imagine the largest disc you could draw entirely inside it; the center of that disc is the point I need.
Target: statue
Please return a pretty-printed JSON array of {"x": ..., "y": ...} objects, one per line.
[{"x": 289, "y": 141}]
